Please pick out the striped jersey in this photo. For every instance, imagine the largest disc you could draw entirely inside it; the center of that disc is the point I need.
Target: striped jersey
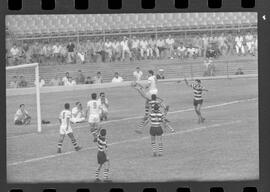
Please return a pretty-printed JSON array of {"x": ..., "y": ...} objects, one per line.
[
  {"x": 156, "y": 118},
  {"x": 197, "y": 91},
  {"x": 101, "y": 143}
]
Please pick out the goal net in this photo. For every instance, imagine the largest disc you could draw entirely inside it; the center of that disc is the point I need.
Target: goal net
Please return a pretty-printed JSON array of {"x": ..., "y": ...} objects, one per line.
[{"x": 21, "y": 79}]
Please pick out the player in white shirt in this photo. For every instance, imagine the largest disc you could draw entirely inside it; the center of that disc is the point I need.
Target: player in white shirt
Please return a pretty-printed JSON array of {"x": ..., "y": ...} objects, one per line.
[
  {"x": 65, "y": 129},
  {"x": 77, "y": 114},
  {"x": 93, "y": 114},
  {"x": 152, "y": 84},
  {"x": 104, "y": 107}
]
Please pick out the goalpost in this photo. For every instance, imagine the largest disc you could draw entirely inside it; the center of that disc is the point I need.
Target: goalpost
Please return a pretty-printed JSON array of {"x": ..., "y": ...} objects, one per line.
[{"x": 37, "y": 87}]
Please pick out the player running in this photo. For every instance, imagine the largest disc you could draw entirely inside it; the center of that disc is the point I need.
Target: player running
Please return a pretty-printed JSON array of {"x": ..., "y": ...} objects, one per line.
[
  {"x": 198, "y": 100},
  {"x": 102, "y": 156},
  {"x": 104, "y": 106},
  {"x": 93, "y": 110},
  {"x": 65, "y": 129}
]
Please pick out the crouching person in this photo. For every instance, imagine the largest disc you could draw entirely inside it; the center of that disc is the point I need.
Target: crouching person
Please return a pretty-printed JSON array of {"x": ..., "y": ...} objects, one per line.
[
  {"x": 22, "y": 117},
  {"x": 77, "y": 114}
]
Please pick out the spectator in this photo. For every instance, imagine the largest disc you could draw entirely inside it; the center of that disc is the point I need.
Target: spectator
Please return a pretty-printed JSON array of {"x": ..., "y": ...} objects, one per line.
[
  {"x": 181, "y": 51},
  {"x": 89, "y": 80},
  {"x": 117, "y": 78},
  {"x": 15, "y": 54},
  {"x": 250, "y": 43},
  {"x": 239, "y": 44},
  {"x": 98, "y": 78},
  {"x": 65, "y": 79},
  {"x": 138, "y": 74},
  {"x": 55, "y": 81},
  {"x": 135, "y": 48},
  {"x": 22, "y": 82},
  {"x": 209, "y": 67},
  {"x": 160, "y": 74},
  {"x": 170, "y": 45},
  {"x": 71, "y": 82},
  {"x": 80, "y": 79},
  {"x": 22, "y": 117},
  {"x": 125, "y": 48},
  {"x": 70, "y": 52},
  {"x": 14, "y": 82},
  {"x": 41, "y": 82},
  {"x": 239, "y": 72}
]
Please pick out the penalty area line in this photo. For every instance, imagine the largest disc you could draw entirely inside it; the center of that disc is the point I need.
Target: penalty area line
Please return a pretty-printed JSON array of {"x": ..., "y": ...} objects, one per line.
[{"x": 125, "y": 141}]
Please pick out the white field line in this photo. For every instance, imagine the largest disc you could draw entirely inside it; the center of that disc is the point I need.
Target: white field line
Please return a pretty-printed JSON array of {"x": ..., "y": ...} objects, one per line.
[
  {"x": 138, "y": 117},
  {"x": 125, "y": 141}
]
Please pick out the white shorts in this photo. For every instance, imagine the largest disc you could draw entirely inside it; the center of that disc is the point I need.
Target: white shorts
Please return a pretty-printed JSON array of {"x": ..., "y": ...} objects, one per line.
[
  {"x": 77, "y": 119},
  {"x": 151, "y": 92},
  {"x": 94, "y": 119},
  {"x": 63, "y": 130}
]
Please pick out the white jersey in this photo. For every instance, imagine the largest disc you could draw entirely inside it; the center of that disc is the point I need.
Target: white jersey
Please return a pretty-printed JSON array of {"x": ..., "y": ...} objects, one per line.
[
  {"x": 153, "y": 83},
  {"x": 64, "y": 115},
  {"x": 94, "y": 107}
]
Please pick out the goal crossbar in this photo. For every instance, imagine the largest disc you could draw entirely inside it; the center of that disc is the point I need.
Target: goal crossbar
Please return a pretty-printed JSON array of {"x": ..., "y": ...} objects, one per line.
[{"x": 36, "y": 66}]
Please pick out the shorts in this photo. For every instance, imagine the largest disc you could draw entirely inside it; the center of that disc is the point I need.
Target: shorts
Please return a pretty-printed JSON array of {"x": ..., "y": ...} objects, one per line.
[
  {"x": 18, "y": 122},
  {"x": 156, "y": 131},
  {"x": 101, "y": 157},
  {"x": 77, "y": 120},
  {"x": 94, "y": 119},
  {"x": 197, "y": 102},
  {"x": 63, "y": 130}
]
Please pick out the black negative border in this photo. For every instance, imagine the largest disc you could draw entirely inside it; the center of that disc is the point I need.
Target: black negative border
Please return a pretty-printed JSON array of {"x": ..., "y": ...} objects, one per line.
[{"x": 134, "y": 6}]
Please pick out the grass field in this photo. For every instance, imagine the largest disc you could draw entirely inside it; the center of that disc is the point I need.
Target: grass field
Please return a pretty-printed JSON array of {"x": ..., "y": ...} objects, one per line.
[{"x": 225, "y": 147}]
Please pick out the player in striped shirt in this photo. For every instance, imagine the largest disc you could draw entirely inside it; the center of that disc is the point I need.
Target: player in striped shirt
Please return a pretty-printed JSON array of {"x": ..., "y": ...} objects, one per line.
[
  {"x": 197, "y": 99},
  {"x": 149, "y": 102},
  {"x": 102, "y": 157},
  {"x": 65, "y": 129},
  {"x": 157, "y": 119}
]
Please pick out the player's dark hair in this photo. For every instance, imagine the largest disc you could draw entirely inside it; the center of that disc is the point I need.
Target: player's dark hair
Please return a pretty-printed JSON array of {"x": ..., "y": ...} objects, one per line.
[
  {"x": 151, "y": 72},
  {"x": 102, "y": 93},
  {"x": 154, "y": 97},
  {"x": 98, "y": 72},
  {"x": 156, "y": 107},
  {"x": 94, "y": 95},
  {"x": 198, "y": 80},
  {"x": 103, "y": 132},
  {"x": 21, "y": 105},
  {"x": 67, "y": 106}
]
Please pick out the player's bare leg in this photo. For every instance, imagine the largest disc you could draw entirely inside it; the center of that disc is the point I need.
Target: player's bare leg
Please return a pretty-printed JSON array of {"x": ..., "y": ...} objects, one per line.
[
  {"x": 160, "y": 145},
  {"x": 74, "y": 142},
  {"x": 153, "y": 143},
  {"x": 60, "y": 143},
  {"x": 97, "y": 173},
  {"x": 199, "y": 109}
]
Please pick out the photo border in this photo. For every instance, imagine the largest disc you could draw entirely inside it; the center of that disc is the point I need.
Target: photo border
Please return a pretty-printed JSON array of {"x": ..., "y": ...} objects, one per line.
[{"x": 161, "y": 6}]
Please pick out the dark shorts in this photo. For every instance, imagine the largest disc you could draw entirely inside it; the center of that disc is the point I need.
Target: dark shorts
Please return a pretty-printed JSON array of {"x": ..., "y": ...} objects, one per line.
[
  {"x": 156, "y": 131},
  {"x": 197, "y": 102},
  {"x": 101, "y": 157},
  {"x": 19, "y": 122}
]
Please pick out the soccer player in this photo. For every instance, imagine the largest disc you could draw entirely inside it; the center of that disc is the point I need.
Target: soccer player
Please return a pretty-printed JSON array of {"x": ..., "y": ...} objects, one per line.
[
  {"x": 92, "y": 112},
  {"x": 65, "y": 129},
  {"x": 22, "y": 117},
  {"x": 198, "y": 100},
  {"x": 102, "y": 156},
  {"x": 152, "y": 84},
  {"x": 77, "y": 114},
  {"x": 157, "y": 119},
  {"x": 104, "y": 106}
]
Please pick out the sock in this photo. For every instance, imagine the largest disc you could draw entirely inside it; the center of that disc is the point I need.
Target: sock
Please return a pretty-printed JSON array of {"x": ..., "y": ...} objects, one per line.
[
  {"x": 160, "y": 148},
  {"x": 97, "y": 173},
  {"x": 59, "y": 146},
  {"x": 154, "y": 147},
  {"x": 106, "y": 174},
  {"x": 75, "y": 144}
]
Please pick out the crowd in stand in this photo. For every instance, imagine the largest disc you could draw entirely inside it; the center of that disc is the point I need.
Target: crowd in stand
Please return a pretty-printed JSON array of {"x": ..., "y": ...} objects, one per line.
[
  {"x": 80, "y": 78},
  {"x": 132, "y": 48}
]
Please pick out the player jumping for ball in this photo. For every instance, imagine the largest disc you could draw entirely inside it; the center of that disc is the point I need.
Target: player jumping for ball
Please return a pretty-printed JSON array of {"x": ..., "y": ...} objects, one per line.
[
  {"x": 93, "y": 110},
  {"x": 102, "y": 156},
  {"x": 197, "y": 100},
  {"x": 65, "y": 129}
]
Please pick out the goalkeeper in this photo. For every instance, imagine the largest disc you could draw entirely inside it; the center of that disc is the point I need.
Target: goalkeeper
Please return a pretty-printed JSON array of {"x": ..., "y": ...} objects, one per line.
[{"x": 22, "y": 117}]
